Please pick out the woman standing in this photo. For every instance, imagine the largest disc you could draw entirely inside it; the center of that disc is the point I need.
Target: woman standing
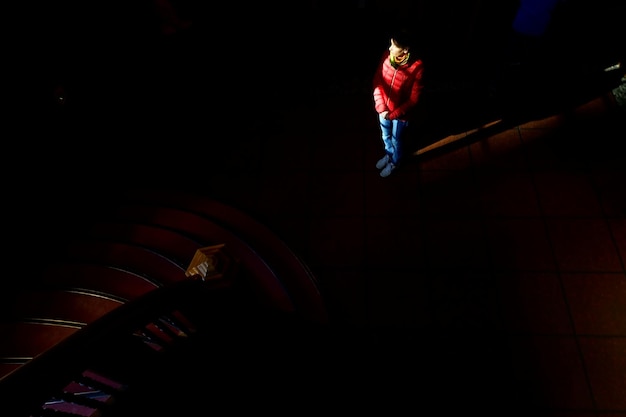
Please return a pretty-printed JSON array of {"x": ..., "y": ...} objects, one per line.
[{"x": 397, "y": 86}]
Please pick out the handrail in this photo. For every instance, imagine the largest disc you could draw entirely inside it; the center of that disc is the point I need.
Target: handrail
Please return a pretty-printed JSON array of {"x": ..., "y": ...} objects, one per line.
[{"x": 132, "y": 333}]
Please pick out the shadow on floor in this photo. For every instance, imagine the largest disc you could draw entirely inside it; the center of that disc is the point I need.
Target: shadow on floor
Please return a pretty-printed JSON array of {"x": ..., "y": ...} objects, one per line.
[{"x": 488, "y": 107}]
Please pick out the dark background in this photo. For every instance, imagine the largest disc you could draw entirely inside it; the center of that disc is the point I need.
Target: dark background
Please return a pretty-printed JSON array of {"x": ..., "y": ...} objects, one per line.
[{"x": 134, "y": 98}]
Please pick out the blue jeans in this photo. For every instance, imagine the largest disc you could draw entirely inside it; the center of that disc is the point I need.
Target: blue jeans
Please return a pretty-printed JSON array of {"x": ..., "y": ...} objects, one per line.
[{"x": 392, "y": 131}]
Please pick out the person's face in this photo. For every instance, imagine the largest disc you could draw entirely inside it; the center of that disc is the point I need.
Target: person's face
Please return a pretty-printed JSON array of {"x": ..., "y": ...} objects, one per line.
[{"x": 395, "y": 50}]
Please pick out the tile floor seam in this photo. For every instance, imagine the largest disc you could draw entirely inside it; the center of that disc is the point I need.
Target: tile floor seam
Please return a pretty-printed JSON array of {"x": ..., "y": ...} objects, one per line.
[
  {"x": 563, "y": 292},
  {"x": 607, "y": 218}
]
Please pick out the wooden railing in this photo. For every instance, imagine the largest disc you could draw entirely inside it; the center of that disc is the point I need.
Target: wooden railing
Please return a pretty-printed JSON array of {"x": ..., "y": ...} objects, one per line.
[
  {"x": 99, "y": 368},
  {"x": 111, "y": 318}
]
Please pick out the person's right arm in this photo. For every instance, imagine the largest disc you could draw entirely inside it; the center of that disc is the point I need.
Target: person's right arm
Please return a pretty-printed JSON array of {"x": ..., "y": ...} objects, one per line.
[{"x": 380, "y": 97}]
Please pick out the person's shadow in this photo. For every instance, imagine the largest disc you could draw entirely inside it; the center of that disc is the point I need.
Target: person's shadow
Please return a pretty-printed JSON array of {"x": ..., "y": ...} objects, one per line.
[{"x": 452, "y": 114}]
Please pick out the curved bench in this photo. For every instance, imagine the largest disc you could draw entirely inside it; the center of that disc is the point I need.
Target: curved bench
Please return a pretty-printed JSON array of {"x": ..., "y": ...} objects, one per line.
[
  {"x": 63, "y": 305},
  {"x": 126, "y": 256},
  {"x": 293, "y": 273},
  {"x": 145, "y": 242},
  {"x": 104, "y": 279}
]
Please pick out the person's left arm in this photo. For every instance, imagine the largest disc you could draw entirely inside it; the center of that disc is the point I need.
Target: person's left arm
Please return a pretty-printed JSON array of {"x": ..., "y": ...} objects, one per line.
[{"x": 415, "y": 90}]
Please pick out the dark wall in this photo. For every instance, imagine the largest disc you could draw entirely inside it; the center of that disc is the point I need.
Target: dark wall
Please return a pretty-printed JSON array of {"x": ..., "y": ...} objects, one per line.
[{"x": 104, "y": 48}]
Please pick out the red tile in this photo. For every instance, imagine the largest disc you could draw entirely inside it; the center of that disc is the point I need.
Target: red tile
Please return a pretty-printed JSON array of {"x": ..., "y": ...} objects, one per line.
[
  {"x": 532, "y": 137},
  {"x": 610, "y": 183},
  {"x": 592, "y": 109},
  {"x": 604, "y": 153},
  {"x": 550, "y": 372},
  {"x": 337, "y": 241},
  {"x": 434, "y": 142},
  {"x": 283, "y": 194},
  {"x": 238, "y": 189},
  {"x": 569, "y": 413},
  {"x": 605, "y": 361},
  {"x": 397, "y": 298},
  {"x": 345, "y": 292},
  {"x": 505, "y": 193},
  {"x": 566, "y": 193},
  {"x": 394, "y": 242},
  {"x": 618, "y": 231},
  {"x": 336, "y": 194},
  {"x": 597, "y": 302},
  {"x": 292, "y": 229},
  {"x": 534, "y": 303},
  {"x": 583, "y": 245},
  {"x": 397, "y": 195},
  {"x": 502, "y": 150},
  {"x": 519, "y": 244},
  {"x": 456, "y": 244},
  {"x": 285, "y": 153},
  {"x": 464, "y": 301},
  {"x": 549, "y": 122},
  {"x": 550, "y": 149},
  {"x": 449, "y": 193},
  {"x": 337, "y": 151},
  {"x": 454, "y": 158}
]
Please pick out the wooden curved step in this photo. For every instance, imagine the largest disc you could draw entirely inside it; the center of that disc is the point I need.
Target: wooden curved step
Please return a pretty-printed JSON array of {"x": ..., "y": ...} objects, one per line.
[
  {"x": 182, "y": 245},
  {"x": 206, "y": 231},
  {"x": 128, "y": 257},
  {"x": 10, "y": 366},
  {"x": 131, "y": 343},
  {"x": 64, "y": 305},
  {"x": 26, "y": 339},
  {"x": 106, "y": 280},
  {"x": 27, "y": 335},
  {"x": 167, "y": 243},
  {"x": 297, "y": 278}
]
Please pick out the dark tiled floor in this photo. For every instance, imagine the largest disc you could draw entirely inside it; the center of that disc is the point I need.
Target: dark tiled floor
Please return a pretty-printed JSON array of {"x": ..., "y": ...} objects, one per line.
[
  {"x": 491, "y": 267},
  {"x": 503, "y": 256},
  {"x": 505, "y": 253}
]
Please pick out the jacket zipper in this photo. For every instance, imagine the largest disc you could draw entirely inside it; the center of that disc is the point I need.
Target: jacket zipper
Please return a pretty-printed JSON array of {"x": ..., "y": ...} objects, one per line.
[{"x": 393, "y": 79}]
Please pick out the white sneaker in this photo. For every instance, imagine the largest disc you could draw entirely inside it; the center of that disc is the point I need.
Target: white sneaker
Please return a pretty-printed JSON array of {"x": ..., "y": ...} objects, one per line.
[{"x": 382, "y": 162}]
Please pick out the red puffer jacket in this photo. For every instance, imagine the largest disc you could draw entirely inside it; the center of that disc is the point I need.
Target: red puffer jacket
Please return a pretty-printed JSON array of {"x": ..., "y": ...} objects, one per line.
[{"x": 397, "y": 90}]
